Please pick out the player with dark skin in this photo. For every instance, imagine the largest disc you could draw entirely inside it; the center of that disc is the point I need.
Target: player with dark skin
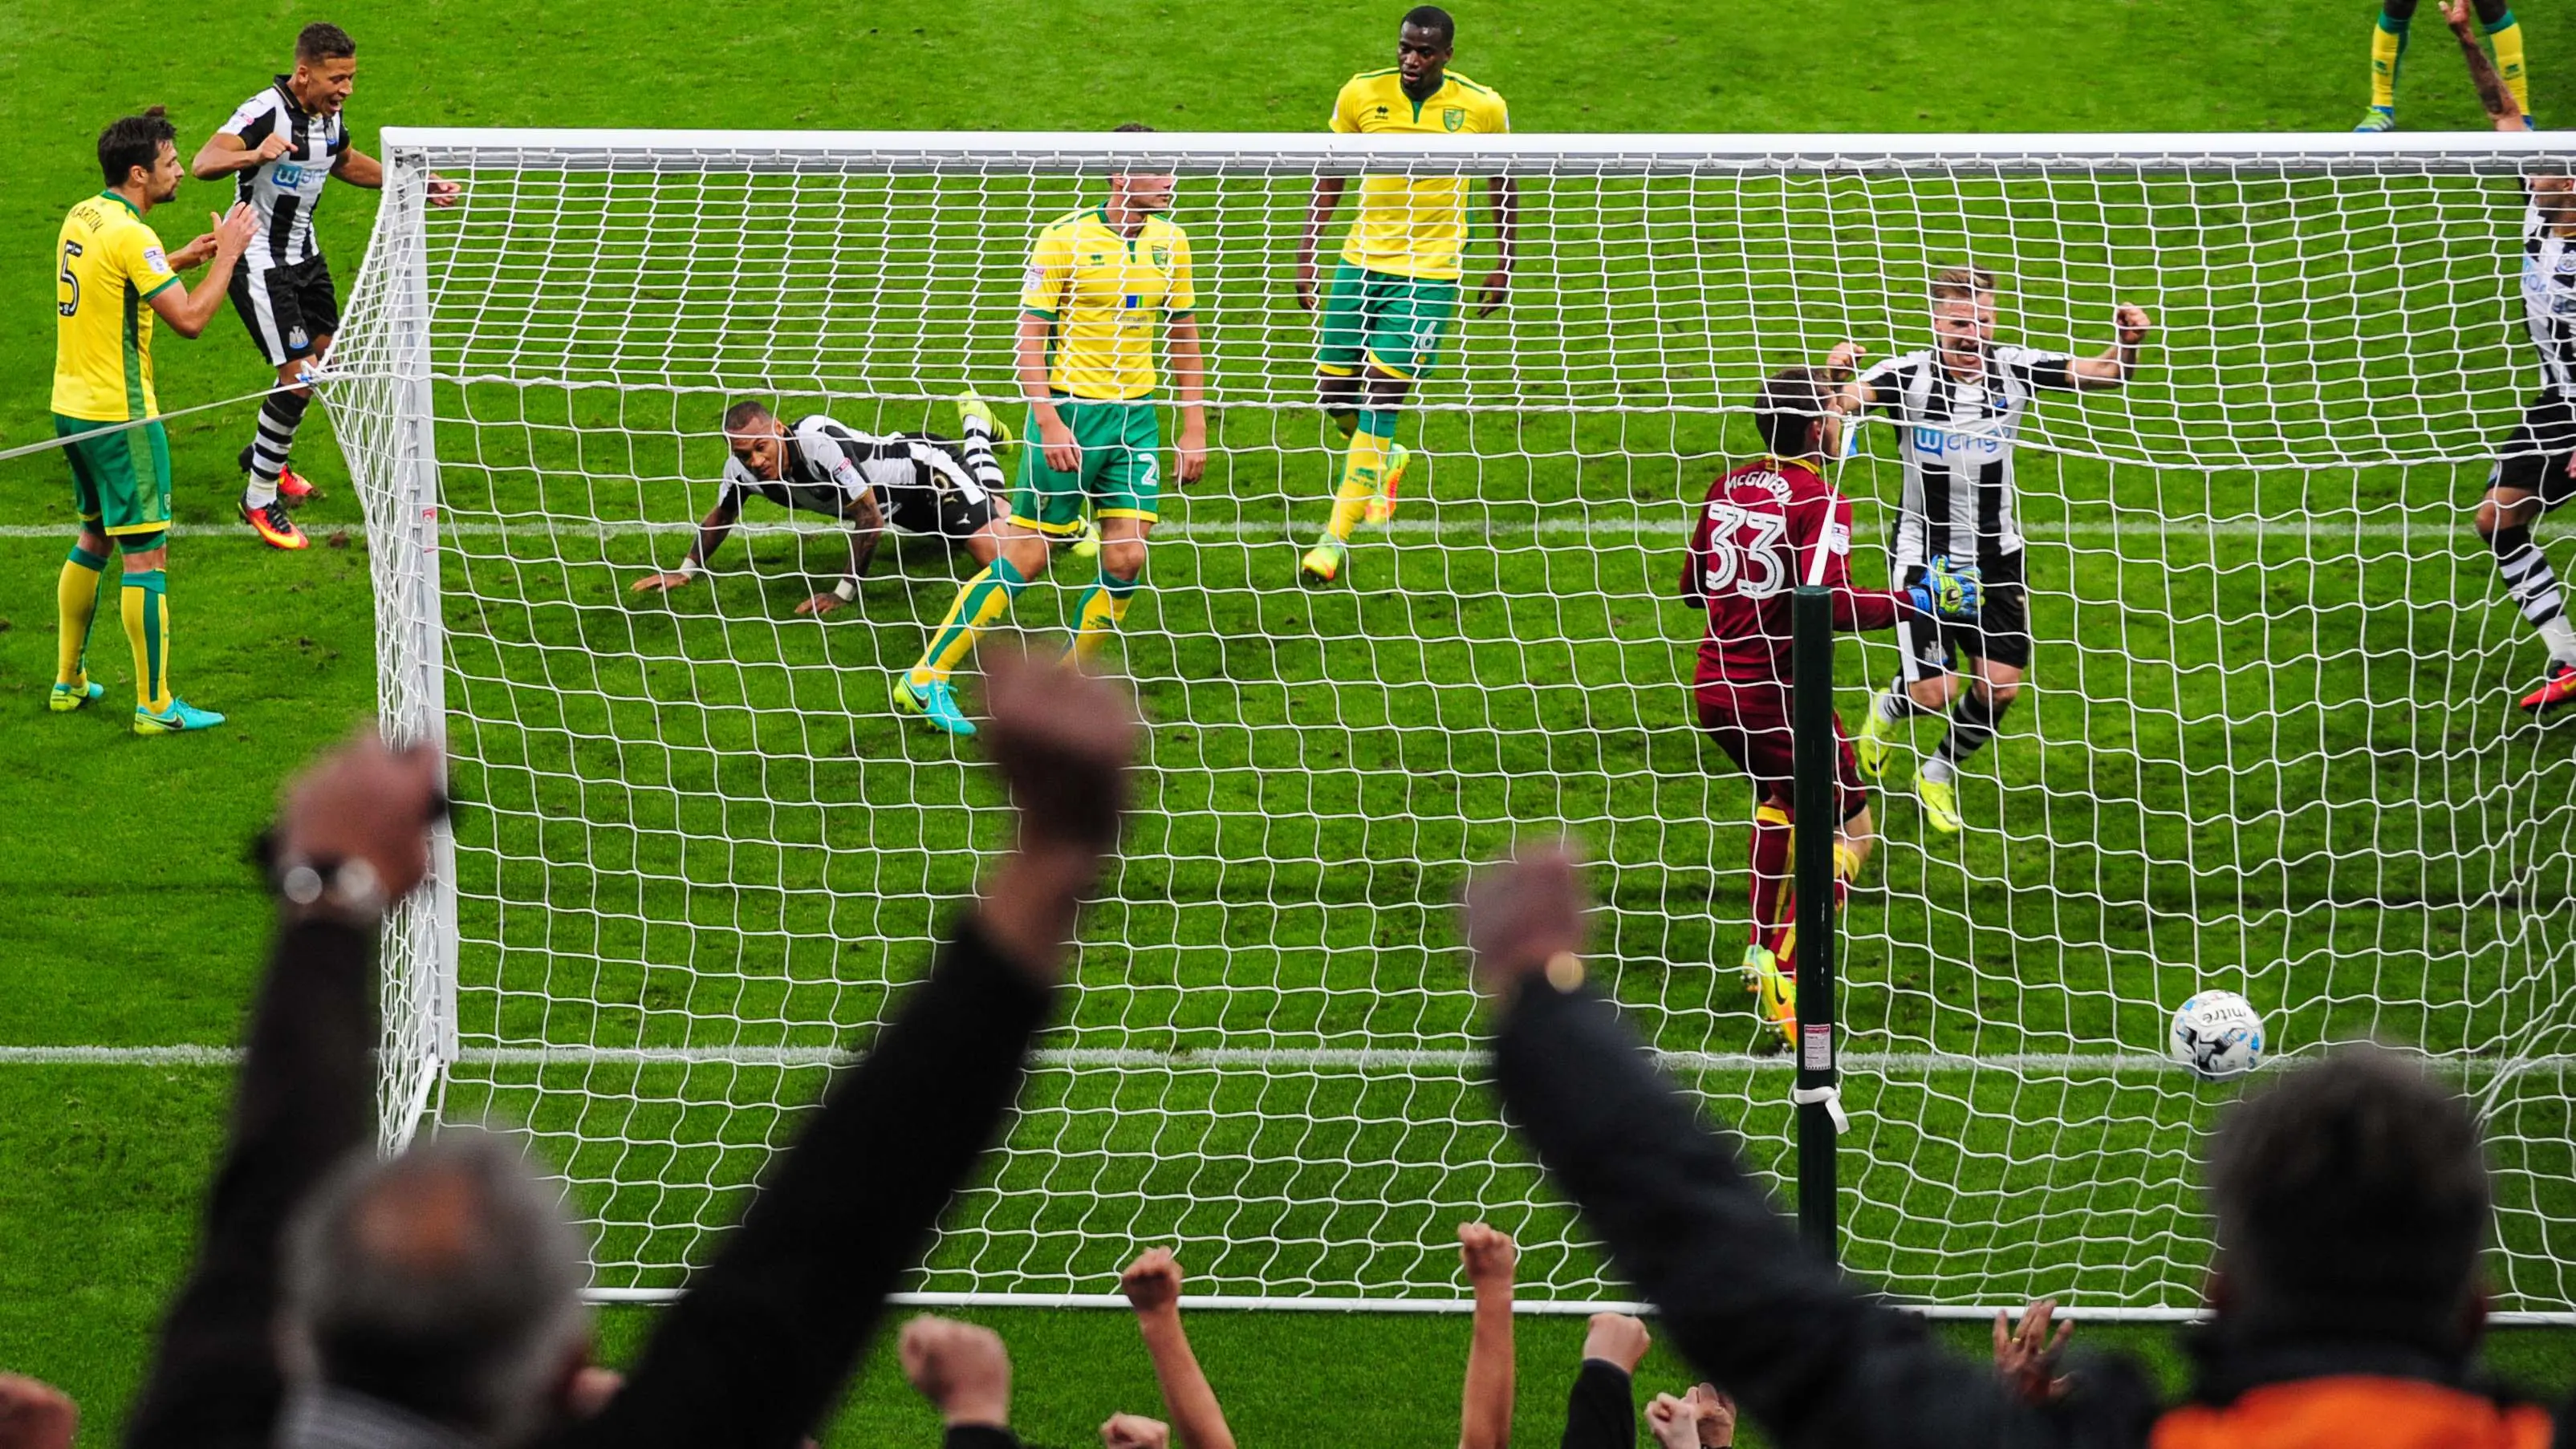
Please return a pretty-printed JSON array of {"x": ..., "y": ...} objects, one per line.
[
  {"x": 760, "y": 447},
  {"x": 321, "y": 86},
  {"x": 1422, "y": 61}
]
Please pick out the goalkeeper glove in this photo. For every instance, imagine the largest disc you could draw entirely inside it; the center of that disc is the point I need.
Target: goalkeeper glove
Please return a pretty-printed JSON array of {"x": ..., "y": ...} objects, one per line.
[{"x": 1946, "y": 592}]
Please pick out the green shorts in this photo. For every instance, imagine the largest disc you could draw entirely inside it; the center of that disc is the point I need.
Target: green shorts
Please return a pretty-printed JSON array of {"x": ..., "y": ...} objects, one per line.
[
  {"x": 1121, "y": 474},
  {"x": 1382, "y": 320},
  {"x": 120, "y": 481}
]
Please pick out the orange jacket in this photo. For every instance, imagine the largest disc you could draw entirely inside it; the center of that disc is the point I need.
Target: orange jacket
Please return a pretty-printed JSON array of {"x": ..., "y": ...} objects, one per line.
[{"x": 2355, "y": 1411}]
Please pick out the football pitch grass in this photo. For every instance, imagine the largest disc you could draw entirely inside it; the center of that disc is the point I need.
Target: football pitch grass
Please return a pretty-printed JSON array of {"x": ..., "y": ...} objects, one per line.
[{"x": 136, "y": 923}]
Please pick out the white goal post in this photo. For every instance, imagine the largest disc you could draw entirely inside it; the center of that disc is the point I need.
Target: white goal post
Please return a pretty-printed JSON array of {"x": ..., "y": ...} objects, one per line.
[{"x": 2267, "y": 741}]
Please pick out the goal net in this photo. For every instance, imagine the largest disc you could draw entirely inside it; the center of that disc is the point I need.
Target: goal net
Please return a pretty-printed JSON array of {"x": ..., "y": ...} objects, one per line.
[{"x": 2267, "y": 742}]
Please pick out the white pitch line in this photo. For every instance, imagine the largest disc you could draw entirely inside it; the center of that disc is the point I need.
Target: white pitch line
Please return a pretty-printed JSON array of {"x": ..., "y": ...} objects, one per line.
[{"x": 2040, "y": 1064}]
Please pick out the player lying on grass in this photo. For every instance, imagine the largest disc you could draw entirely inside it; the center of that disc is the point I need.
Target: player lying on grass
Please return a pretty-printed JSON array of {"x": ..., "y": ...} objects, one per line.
[
  {"x": 1958, "y": 406},
  {"x": 2535, "y": 469},
  {"x": 1392, "y": 300},
  {"x": 1765, "y": 528},
  {"x": 919, "y": 483},
  {"x": 2349, "y": 1196},
  {"x": 1100, "y": 283},
  {"x": 112, "y": 281}
]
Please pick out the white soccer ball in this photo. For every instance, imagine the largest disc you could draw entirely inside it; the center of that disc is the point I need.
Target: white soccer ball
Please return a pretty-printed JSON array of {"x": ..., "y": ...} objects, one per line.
[{"x": 2217, "y": 1034}]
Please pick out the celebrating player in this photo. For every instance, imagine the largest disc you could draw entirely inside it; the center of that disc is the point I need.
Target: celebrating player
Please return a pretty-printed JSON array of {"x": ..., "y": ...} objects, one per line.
[
  {"x": 1098, "y": 281},
  {"x": 2535, "y": 472},
  {"x": 112, "y": 279},
  {"x": 1768, "y": 526},
  {"x": 283, "y": 145},
  {"x": 2388, "y": 53},
  {"x": 1396, "y": 292},
  {"x": 1959, "y": 405},
  {"x": 915, "y": 482}
]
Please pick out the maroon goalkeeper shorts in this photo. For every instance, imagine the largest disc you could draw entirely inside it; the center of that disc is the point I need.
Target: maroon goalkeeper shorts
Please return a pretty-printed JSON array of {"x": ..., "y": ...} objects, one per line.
[{"x": 1750, "y": 721}]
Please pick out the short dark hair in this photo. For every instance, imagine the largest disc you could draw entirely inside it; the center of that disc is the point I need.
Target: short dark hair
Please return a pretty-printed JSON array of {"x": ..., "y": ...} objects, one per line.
[
  {"x": 743, "y": 414},
  {"x": 322, "y": 40},
  {"x": 131, "y": 141},
  {"x": 2352, "y": 1195},
  {"x": 1129, "y": 128},
  {"x": 1435, "y": 19},
  {"x": 1791, "y": 401},
  {"x": 445, "y": 1281}
]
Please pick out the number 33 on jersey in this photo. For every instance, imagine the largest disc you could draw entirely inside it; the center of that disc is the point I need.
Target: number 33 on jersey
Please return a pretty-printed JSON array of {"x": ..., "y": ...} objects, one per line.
[{"x": 1764, "y": 529}]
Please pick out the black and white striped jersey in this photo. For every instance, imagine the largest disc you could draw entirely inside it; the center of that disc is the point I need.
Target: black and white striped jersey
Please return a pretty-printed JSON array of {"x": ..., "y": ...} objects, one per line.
[
  {"x": 284, "y": 192},
  {"x": 2549, "y": 300},
  {"x": 1956, "y": 438},
  {"x": 824, "y": 464}
]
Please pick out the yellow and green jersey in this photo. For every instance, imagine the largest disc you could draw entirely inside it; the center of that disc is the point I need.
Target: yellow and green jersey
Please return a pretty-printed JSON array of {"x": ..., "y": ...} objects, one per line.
[
  {"x": 107, "y": 266},
  {"x": 1106, "y": 293},
  {"x": 1413, "y": 226}
]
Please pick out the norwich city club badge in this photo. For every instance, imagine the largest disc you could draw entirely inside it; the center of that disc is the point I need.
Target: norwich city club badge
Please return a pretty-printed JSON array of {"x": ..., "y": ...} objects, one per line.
[
  {"x": 1453, "y": 117},
  {"x": 1162, "y": 257}
]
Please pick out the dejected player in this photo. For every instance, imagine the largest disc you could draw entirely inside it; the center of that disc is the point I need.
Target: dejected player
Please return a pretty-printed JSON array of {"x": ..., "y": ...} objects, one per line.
[
  {"x": 918, "y": 483},
  {"x": 1101, "y": 282},
  {"x": 111, "y": 281},
  {"x": 1392, "y": 300},
  {"x": 1765, "y": 528},
  {"x": 282, "y": 146},
  {"x": 1959, "y": 406}
]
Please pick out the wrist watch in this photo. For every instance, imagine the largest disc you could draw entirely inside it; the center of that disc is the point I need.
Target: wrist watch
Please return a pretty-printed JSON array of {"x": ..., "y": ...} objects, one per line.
[{"x": 338, "y": 887}]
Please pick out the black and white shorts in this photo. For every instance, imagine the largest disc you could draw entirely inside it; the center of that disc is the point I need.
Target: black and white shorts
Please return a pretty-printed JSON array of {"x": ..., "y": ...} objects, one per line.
[
  {"x": 2535, "y": 456},
  {"x": 2001, "y": 633},
  {"x": 955, "y": 512},
  {"x": 288, "y": 309}
]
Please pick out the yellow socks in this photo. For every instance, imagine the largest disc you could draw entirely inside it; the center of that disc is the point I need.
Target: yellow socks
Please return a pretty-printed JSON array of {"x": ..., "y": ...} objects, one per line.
[
  {"x": 1100, "y": 610},
  {"x": 983, "y": 599},
  {"x": 1363, "y": 469},
  {"x": 2505, "y": 35},
  {"x": 2387, "y": 52},
  {"x": 76, "y": 603},
  {"x": 147, "y": 628}
]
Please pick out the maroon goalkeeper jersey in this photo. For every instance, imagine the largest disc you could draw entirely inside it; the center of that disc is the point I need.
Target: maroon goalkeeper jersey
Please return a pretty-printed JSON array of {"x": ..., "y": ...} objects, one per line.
[{"x": 1766, "y": 528}]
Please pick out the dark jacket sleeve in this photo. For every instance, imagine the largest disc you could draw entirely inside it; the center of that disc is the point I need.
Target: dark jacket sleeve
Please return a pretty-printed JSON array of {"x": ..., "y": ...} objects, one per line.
[
  {"x": 1601, "y": 1410},
  {"x": 1740, "y": 1296},
  {"x": 768, "y": 1333},
  {"x": 304, "y": 1101}
]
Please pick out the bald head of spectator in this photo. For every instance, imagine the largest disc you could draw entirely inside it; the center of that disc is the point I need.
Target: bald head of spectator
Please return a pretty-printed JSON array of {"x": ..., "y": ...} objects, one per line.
[
  {"x": 2351, "y": 1198},
  {"x": 445, "y": 1283}
]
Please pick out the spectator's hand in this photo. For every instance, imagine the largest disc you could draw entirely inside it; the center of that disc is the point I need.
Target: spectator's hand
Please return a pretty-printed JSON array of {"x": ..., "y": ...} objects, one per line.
[
  {"x": 1526, "y": 917},
  {"x": 1488, "y": 1254},
  {"x": 960, "y": 1368},
  {"x": 1153, "y": 1282},
  {"x": 1064, "y": 741},
  {"x": 1673, "y": 1422},
  {"x": 591, "y": 1389},
  {"x": 35, "y": 1415},
  {"x": 1716, "y": 1416},
  {"x": 1134, "y": 1431},
  {"x": 1615, "y": 1338},
  {"x": 2026, "y": 1358},
  {"x": 365, "y": 802}
]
